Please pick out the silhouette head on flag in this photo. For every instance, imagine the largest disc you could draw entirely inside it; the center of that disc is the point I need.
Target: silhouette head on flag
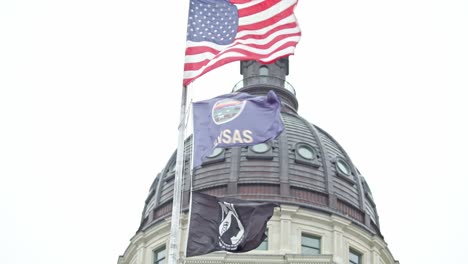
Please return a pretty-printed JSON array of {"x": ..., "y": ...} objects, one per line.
[
  {"x": 223, "y": 31},
  {"x": 226, "y": 224},
  {"x": 237, "y": 119}
]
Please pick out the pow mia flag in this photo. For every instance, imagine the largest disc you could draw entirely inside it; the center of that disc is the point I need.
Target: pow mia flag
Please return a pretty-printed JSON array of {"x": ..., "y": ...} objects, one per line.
[
  {"x": 237, "y": 119},
  {"x": 226, "y": 224}
]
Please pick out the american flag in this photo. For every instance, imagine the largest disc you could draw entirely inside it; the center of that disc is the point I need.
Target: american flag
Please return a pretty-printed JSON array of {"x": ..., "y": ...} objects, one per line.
[{"x": 223, "y": 31}]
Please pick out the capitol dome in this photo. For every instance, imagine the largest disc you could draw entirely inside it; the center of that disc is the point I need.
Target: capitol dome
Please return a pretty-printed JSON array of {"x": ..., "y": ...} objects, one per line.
[{"x": 326, "y": 215}]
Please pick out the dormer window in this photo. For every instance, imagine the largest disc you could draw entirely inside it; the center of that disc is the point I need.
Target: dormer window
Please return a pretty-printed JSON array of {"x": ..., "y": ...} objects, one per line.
[
  {"x": 261, "y": 148},
  {"x": 306, "y": 154},
  {"x": 217, "y": 155},
  {"x": 344, "y": 170},
  {"x": 343, "y": 167},
  {"x": 216, "y": 152},
  {"x": 260, "y": 151}
]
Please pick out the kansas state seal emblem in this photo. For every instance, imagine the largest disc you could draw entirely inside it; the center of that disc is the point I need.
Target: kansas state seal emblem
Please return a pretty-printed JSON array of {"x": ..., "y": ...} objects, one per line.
[{"x": 226, "y": 110}]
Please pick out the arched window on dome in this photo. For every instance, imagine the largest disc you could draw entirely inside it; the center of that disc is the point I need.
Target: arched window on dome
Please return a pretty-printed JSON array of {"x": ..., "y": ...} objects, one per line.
[{"x": 263, "y": 70}]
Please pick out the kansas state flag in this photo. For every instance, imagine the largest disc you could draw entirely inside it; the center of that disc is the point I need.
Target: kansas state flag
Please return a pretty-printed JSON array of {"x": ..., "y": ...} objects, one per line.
[{"x": 237, "y": 119}]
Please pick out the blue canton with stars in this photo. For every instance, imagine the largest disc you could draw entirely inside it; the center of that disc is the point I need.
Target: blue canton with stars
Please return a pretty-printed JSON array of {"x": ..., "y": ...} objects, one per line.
[{"x": 212, "y": 20}]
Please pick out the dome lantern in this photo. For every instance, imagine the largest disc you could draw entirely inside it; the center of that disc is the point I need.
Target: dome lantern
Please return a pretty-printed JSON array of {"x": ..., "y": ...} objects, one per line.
[{"x": 259, "y": 78}]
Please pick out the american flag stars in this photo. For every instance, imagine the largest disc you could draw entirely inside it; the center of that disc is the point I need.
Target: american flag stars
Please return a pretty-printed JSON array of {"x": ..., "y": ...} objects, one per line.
[{"x": 212, "y": 20}]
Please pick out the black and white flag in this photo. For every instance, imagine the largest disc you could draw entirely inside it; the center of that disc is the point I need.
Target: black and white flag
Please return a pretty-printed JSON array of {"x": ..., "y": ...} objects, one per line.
[{"x": 226, "y": 224}]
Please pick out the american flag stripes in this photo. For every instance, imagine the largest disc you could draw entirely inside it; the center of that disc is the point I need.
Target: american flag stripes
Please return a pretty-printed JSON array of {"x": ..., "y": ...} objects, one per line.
[{"x": 224, "y": 31}]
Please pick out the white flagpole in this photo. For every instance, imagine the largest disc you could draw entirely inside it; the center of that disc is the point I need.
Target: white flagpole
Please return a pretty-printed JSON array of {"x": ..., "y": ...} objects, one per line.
[
  {"x": 191, "y": 179},
  {"x": 173, "y": 255}
]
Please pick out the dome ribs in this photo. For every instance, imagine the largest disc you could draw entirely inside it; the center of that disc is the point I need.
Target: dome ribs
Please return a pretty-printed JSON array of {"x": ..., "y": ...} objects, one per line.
[
  {"x": 257, "y": 169},
  {"x": 358, "y": 185},
  {"x": 326, "y": 164},
  {"x": 335, "y": 151},
  {"x": 234, "y": 172},
  {"x": 298, "y": 174},
  {"x": 283, "y": 153},
  {"x": 299, "y": 169}
]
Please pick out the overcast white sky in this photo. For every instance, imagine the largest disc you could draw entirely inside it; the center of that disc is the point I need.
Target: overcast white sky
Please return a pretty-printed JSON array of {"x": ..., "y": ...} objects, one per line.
[{"x": 89, "y": 105}]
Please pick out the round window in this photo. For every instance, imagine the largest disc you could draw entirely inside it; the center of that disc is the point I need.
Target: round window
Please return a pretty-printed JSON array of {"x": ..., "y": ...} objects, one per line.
[
  {"x": 305, "y": 152},
  {"x": 215, "y": 152},
  {"x": 343, "y": 167},
  {"x": 261, "y": 148}
]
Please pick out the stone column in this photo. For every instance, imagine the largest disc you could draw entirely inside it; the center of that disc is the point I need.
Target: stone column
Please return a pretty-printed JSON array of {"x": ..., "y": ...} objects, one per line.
[
  {"x": 338, "y": 249},
  {"x": 286, "y": 235},
  {"x": 141, "y": 250},
  {"x": 375, "y": 255}
]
